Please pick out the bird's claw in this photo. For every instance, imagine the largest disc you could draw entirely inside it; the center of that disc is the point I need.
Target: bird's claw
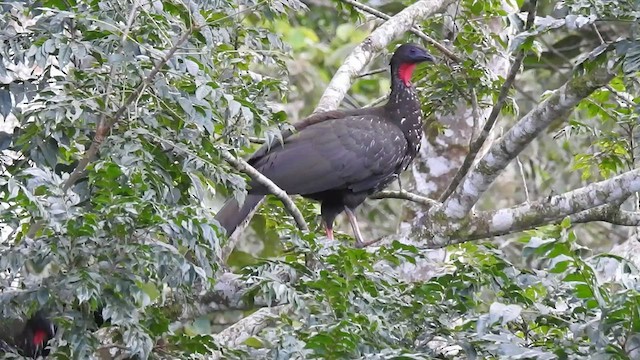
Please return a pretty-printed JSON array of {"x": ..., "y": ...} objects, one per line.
[{"x": 364, "y": 244}]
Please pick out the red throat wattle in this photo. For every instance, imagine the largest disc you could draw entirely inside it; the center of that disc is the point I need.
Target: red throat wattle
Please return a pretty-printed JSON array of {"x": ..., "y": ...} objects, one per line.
[
  {"x": 405, "y": 71},
  {"x": 39, "y": 337}
]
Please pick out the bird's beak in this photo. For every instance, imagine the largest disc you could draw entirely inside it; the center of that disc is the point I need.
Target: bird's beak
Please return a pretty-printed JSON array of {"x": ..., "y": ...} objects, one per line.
[{"x": 426, "y": 57}]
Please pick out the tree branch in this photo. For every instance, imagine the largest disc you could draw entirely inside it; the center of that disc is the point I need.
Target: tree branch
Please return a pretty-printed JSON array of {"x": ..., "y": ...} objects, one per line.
[
  {"x": 405, "y": 195},
  {"x": 105, "y": 126},
  {"x": 333, "y": 95},
  {"x": 414, "y": 30},
  {"x": 231, "y": 293},
  {"x": 495, "y": 111},
  {"x": 376, "y": 41},
  {"x": 588, "y": 203},
  {"x": 237, "y": 333},
  {"x": 373, "y": 72},
  {"x": 244, "y": 167},
  {"x": 518, "y": 137},
  {"x": 607, "y": 213},
  {"x": 101, "y": 132}
]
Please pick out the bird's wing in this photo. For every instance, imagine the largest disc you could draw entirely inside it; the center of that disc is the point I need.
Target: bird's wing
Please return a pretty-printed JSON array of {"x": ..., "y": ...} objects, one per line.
[
  {"x": 356, "y": 152},
  {"x": 299, "y": 126}
]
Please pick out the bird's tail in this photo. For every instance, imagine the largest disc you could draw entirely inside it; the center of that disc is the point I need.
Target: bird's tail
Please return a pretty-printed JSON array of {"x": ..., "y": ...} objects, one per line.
[{"x": 232, "y": 214}]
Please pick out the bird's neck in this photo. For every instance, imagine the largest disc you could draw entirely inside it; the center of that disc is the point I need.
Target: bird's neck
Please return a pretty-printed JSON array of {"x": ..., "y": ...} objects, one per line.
[
  {"x": 403, "y": 99},
  {"x": 403, "y": 109},
  {"x": 403, "y": 72},
  {"x": 402, "y": 91}
]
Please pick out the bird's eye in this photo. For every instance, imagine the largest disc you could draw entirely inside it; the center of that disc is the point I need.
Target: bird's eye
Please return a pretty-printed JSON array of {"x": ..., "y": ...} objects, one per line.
[{"x": 413, "y": 51}]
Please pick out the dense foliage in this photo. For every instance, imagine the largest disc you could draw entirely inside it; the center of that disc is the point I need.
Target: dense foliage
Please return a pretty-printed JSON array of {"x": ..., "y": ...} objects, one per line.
[{"x": 116, "y": 114}]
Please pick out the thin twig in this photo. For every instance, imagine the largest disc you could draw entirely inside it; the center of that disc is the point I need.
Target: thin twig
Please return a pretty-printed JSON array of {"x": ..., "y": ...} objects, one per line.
[
  {"x": 113, "y": 346},
  {"x": 502, "y": 97},
  {"x": 559, "y": 54},
  {"x": 405, "y": 195},
  {"x": 244, "y": 167},
  {"x": 620, "y": 96},
  {"x": 132, "y": 17},
  {"x": 350, "y": 100},
  {"x": 448, "y": 53},
  {"x": 177, "y": 147},
  {"x": 377, "y": 101},
  {"x": 373, "y": 72},
  {"x": 595, "y": 27},
  {"x": 105, "y": 126},
  {"x": 256, "y": 140},
  {"x": 524, "y": 179}
]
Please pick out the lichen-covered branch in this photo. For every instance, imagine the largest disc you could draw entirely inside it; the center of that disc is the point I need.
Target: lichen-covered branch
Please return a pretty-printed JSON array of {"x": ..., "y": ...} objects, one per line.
[
  {"x": 495, "y": 111},
  {"x": 376, "y": 41},
  {"x": 586, "y": 204},
  {"x": 238, "y": 333},
  {"x": 234, "y": 292},
  {"x": 608, "y": 213},
  {"x": 414, "y": 30},
  {"x": 518, "y": 137}
]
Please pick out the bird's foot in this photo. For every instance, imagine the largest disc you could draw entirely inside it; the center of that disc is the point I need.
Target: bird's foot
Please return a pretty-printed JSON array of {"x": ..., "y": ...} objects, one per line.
[{"x": 363, "y": 244}]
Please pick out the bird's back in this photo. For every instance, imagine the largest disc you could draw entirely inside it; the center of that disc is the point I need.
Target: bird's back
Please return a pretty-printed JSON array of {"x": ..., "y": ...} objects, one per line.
[{"x": 356, "y": 152}]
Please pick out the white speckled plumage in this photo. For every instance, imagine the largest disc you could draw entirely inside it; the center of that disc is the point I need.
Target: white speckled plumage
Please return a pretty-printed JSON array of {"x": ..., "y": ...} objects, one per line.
[{"x": 340, "y": 157}]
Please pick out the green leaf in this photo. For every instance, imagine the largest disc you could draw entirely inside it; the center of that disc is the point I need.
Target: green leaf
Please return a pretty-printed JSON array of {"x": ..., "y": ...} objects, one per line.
[{"x": 254, "y": 343}]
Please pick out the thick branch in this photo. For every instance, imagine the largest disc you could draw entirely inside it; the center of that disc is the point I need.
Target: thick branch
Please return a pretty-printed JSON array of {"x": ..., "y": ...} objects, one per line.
[
  {"x": 608, "y": 213},
  {"x": 332, "y": 97},
  {"x": 530, "y": 215},
  {"x": 237, "y": 333},
  {"x": 243, "y": 166},
  {"x": 502, "y": 98},
  {"x": 518, "y": 137},
  {"x": 376, "y": 41},
  {"x": 231, "y": 293}
]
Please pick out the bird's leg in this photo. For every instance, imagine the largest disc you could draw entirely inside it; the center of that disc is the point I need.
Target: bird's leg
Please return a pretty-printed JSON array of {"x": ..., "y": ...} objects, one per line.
[
  {"x": 399, "y": 182},
  {"x": 354, "y": 225},
  {"x": 328, "y": 211},
  {"x": 329, "y": 230}
]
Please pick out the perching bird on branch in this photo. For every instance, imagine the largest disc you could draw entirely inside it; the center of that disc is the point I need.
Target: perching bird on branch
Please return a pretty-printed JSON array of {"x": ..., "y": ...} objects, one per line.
[{"x": 340, "y": 157}]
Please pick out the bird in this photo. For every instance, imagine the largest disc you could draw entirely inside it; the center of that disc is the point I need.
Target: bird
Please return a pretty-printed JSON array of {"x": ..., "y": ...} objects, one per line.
[
  {"x": 31, "y": 338},
  {"x": 340, "y": 157}
]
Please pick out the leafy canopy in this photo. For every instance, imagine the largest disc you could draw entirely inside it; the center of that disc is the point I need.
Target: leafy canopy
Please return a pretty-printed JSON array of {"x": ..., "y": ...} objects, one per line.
[{"x": 159, "y": 88}]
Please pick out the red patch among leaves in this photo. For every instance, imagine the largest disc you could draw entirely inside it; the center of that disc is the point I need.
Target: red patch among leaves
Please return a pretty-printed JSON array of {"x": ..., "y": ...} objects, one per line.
[{"x": 39, "y": 337}]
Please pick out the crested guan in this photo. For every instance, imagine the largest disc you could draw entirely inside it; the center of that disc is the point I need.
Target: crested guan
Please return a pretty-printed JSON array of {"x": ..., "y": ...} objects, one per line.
[
  {"x": 340, "y": 157},
  {"x": 30, "y": 339}
]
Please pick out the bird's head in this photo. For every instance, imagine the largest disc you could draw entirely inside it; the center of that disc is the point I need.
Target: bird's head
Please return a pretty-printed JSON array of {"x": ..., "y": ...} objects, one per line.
[
  {"x": 405, "y": 59},
  {"x": 36, "y": 334}
]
